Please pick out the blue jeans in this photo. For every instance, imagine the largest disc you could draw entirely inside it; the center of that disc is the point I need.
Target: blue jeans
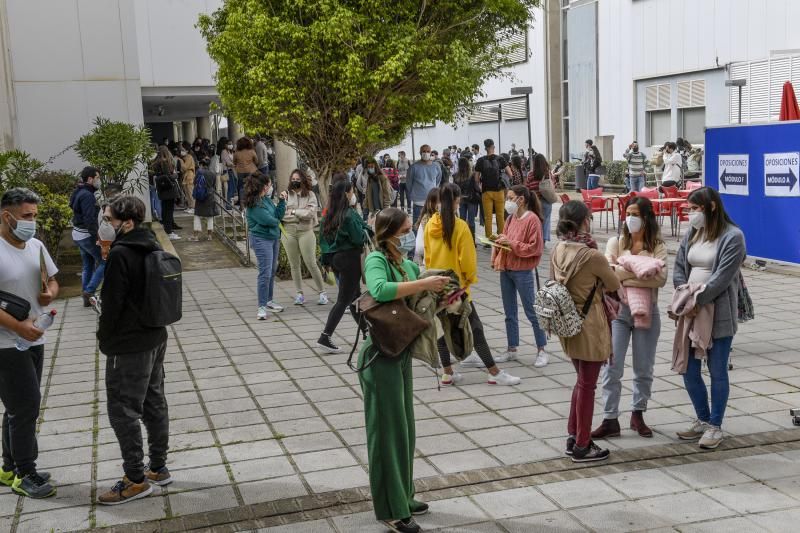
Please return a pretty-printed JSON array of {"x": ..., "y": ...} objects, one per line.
[
  {"x": 233, "y": 187},
  {"x": 267, "y": 255},
  {"x": 720, "y": 387},
  {"x": 93, "y": 265},
  {"x": 592, "y": 181},
  {"x": 636, "y": 183},
  {"x": 547, "y": 211},
  {"x": 155, "y": 203},
  {"x": 511, "y": 283},
  {"x": 416, "y": 212},
  {"x": 467, "y": 212}
]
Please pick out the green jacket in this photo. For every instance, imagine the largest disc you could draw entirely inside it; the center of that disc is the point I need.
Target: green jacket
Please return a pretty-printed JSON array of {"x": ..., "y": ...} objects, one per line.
[
  {"x": 351, "y": 235},
  {"x": 264, "y": 219}
]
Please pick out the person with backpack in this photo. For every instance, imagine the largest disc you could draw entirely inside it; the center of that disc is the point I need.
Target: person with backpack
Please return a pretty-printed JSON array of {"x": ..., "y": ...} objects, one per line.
[
  {"x": 470, "y": 194},
  {"x": 163, "y": 170},
  {"x": 133, "y": 335},
  {"x": 489, "y": 172},
  {"x": 378, "y": 191},
  {"x": 205, "y": 205},
  {"x": 578, "y": 266}
]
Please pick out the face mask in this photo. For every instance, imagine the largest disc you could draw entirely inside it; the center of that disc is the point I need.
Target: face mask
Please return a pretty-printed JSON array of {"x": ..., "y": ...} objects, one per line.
[
  {"x": 229, "y": 147},
  {"x": 697, "y": 219},
  {"x": 269, "y": 192},
  {"x": 634, "y": 224},
  {"x": 353, "y": 200},
  {"x": 408, "y": 242},
  {"x": 25, "y": 230},
  {"x": 106, "y": 231},
  {"x": 295, "y": 185},
  {"x": 511, "y": 207},
  {"x": 183, "y": 153},
  {"x": 426, "y": 156},
  {"x": 370, "y": 171}
]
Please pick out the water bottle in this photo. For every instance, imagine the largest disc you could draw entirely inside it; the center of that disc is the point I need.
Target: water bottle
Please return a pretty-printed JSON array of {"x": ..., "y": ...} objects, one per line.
[{"x": 44, "y": 321}]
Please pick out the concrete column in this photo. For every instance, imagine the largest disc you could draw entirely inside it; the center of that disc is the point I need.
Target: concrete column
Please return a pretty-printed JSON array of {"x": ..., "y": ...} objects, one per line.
[
  {"x": 7, "y": 107},
  {"x": 176, "y": 131},
  {"x": 285, "y": 162},
  {"x": 189, "y": 130},
  {"x": 234, "y": 131},
  {"x": 203, "y": 127}
]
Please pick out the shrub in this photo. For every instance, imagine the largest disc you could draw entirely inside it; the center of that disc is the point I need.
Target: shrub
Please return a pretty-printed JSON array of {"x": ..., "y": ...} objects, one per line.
[
  {"x": 615, "y": 172},
  {"x": 17, "y": 168},
  {"x": 54, "y": 217},
  {"x": 58, "y": 181},
  {"x": 285, "y": 271}
]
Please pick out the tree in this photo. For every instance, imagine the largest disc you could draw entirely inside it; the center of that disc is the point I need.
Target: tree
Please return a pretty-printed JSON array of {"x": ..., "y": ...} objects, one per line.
[{"x": 337, "y": 79}]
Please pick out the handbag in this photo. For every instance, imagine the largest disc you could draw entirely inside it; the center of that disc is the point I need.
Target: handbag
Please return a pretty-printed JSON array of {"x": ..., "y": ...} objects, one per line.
[
  {"x": 17, "y": 307},
  {"x": 392, "y": 327}
]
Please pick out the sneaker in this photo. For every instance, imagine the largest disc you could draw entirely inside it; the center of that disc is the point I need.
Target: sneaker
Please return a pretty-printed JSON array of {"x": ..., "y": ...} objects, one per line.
[
  {"x": 542, "y": 359},
  {"x": 506, "y": 357},
  {"x": 33, "y": 486},
  {"x": 323, "y": 299},
  {"x": 711, "y": 438},
  {"x": 87, "y": 296},
  {"x": 299, "y": 299},
  {"x": 125, "y": 491},
  {"x": 570, "y": 449},
  {"x": 275, "y": 308},
  {"x": 402, "y": 526},
  {"x": 419, "y": 508},
  {"x": 326, "y": 344},
  {"x": 189, "y": 211},
  {"x": 159, "y": 476},
  {"x": 591, "y": 453},
  {"x": 472, "y": 361},
  {"x": 503, "y": 378},
  {"x": 693, "y": 432},
  {"x": 452, "y": 379},
  {"x": 174, "y": 237},
  {"x": 262, "y": 313},
  {"x": 7, "y": 476},
  {"x": 193, "y": 239}
]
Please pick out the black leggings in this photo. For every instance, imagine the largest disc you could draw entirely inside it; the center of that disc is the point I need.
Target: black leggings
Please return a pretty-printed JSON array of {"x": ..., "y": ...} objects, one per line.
[
  {"x": 481, "y": 346},
  {"x": 347, "y": 266},
  {"x": 168, "y": 215}
]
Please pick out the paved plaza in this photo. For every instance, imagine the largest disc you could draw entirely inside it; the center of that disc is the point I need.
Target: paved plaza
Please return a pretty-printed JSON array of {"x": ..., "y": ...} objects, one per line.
[{"x": 265, "y": 430}]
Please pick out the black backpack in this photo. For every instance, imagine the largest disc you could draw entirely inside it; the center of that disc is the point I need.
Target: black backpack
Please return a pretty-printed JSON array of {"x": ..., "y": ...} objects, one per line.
[{"x": 163, "y": 289}]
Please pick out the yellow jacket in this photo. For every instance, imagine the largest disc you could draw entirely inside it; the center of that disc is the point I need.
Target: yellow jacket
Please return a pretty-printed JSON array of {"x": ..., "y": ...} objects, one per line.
[{"x": 461, "y": 258}]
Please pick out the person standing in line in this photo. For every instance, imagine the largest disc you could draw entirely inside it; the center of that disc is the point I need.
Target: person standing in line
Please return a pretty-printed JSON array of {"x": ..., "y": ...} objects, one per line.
[
  {"x": 188, "y": 172},
  {"x": 711, "y": 254},
  {"x": 378, "y": 190},
  {"x": 343, "y": 234},
  {"x": 262, "y": 157},
  {"x": 449, "y": 246},
  {"x": 641, "y": 236},
  {"x": 422, "y": 176},
  {"x": 84, "y": 232},
  {"x": 470, "y": 194},
  {"x": 402, "y": 171},
  {"x": 577, "y": 264},
  {"x": 205, "y": 209},
  {"x": 523, "y": 238},
  {"x": 488, "y": 170},
  {"x": 165, "y": 179},
  {"x": 135, "y": 357},
  {"x": 229, "y": 179},
  {"x": 517, "y": 172},
  {"x": 540, "y": 183},
  {"x": 245, "y": 162},
  {"x": 673, "y": 163},
  {"x": 387, "y": 384},
  {"x": 476, "y": 152},
  {"x": 556, "y": 173},
  {"x": 298, "y": 236},
  {"x": 636, "y": 167},
  {"x": 21, "y": 257},
  {"x": 263, "y": 221}
]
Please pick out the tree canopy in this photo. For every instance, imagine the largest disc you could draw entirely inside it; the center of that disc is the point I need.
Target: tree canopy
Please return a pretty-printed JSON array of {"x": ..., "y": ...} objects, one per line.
[{"x": 337, "y": 79}]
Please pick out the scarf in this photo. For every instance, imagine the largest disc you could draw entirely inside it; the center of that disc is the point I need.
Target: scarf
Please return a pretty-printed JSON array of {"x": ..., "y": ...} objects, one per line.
[{"x": 580, "y": 237}]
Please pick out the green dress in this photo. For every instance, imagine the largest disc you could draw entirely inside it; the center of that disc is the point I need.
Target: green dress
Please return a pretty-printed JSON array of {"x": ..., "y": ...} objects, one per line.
[{"x": 389, "y": 407}]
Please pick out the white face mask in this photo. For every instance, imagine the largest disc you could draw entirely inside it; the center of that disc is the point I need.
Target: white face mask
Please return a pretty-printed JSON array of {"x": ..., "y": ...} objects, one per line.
[
  {"x": 634, "y": 224},
  {"x": 353, "y": 199},
  {"x": 426, "y": 156},
  {"x": 511, "y": 207},
  {"x": 106, "y": 231},
  {"x": 697, "y": 219},
  {"x": 229, "y": 147},
  {"x": 183, "y": 153},
  {"x": 269, "y": 192}
]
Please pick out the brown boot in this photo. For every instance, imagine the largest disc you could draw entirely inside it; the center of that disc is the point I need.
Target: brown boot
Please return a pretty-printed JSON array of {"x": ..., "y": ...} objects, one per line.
[
  {"x": 609, "y": 428},
  {"x": 638, "y": 425}
]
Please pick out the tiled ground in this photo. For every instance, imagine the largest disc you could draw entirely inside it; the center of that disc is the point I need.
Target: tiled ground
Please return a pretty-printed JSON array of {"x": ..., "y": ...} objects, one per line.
[{"x": 257, "y": 414}]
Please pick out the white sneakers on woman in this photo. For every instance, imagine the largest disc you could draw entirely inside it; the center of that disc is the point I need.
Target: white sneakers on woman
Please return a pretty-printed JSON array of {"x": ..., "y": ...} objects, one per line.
[{"x": 503, "y": 378}]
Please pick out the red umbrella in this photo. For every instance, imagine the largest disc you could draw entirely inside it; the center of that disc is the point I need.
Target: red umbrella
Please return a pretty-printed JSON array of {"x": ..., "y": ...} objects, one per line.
[{"x": 789, "y": 109}]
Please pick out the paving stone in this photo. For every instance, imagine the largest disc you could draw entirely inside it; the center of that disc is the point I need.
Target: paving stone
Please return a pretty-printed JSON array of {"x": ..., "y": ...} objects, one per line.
[
  {"x": 725, "y": 525},
  {"x": 685, "y": 507},
  {"x": 195, "y": 501},
  {"x": 316, "y": 526},
  {"x": 310, "y": 462},
  {"x": 462, "y": 461},
  {"x": 580, "y": 493},
  {"x": 515, "y": 502},
  {"x": 59, "y": 520},
  {"x": 556, "y": 522},
  {"x": 272, "y": 489},
  {"x": 643, "y": 483},
  {"x": 750, "y": 498},
  {"x": 617, "y": 517},
  {"x": 336, "y": 479},
  {"x": 766, "y": 467},
  {"x": 705, "y": 475}
]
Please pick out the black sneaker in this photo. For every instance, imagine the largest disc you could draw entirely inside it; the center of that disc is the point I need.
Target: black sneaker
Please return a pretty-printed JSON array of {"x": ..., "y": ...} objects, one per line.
[
  {"x": 570, "y": 446},
  {"x": 591, "y": 453},
  {"x": 419, "y": 508},
  {"x": 402, "y": 526},
  {"x": 33, "y": 486},
  {"x": 326, "y": 344}
]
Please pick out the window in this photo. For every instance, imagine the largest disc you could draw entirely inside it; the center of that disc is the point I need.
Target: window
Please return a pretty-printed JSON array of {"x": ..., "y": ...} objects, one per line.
[
  {"x": 658, "y": 97},
  {"x": 516, "y": 43},
  {"x": 761, "y": 97},
  {"x": 659, "y": 127},
  {"x": 692, "y": 124}
]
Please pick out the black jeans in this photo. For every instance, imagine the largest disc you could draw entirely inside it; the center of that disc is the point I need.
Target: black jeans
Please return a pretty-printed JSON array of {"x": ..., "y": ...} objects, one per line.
[
  {"x": 401, "y": 194},
  {"x": 135, "y": 390},
  {"x": 347, "y": 266},
  {"x": 168, "y": 215},
  {"x": 20, "y": 379},
  {"x": 478, "y": 338}
]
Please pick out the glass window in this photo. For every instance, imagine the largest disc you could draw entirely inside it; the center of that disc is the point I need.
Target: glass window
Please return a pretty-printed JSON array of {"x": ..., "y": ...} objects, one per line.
[
  {"x": 693, "y": 123},
  {"x": 659, "y": 127}
]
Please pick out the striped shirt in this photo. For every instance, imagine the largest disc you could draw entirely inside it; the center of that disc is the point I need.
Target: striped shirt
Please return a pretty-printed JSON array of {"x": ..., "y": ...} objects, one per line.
[{"x": 636, "y": 162}]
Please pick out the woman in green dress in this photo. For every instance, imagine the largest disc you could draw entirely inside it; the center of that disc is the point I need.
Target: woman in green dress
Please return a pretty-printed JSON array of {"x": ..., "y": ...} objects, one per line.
[{"x": 386, "y": 384}]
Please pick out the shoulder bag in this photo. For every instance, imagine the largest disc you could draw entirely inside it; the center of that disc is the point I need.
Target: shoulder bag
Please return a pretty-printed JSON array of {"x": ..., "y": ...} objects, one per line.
[{"x": 17, "y": 307}]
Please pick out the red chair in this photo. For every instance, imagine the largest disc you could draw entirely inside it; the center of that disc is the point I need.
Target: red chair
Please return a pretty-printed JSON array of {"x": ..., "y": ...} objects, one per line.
[
  {"x": 684, "y": 194},
  {"x": 692, "y": 185},
  {"x": 683, "y": 216},
  {"x": 564, "y": 198},
  {"x": 650, "y": 193},
  {"x": 670, "y": 192},
  {"x": 622, "y": 206},
  {"x": 599, "y": 205}
]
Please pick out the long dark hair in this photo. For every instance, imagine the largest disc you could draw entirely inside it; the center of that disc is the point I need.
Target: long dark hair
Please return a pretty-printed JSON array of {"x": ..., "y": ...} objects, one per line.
[
  {"x": 571, "y": 217},
  {"x": 448, "y": 194},
  {"x": 463, "y": 174},
  {"x": 541, "y": 168},
  {"x": 305, "y": 181},
  {"x": 430, "y": 208},
  {"x": 387, "y": 223},
  {"x": 652, "y": 231},
  {"x": 221, "y": 144},
  {"x": 516, "y": 162},
  {"x": 338, "y": 207},
  {"x": 531, "y": 200},
  {"x": 253, "y": 187},
  {"x": 717, "y": 220}
]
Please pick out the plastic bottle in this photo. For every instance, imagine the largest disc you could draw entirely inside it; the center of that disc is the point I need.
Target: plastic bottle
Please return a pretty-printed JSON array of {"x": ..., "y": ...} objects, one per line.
[{"x": 44, "y": 321}]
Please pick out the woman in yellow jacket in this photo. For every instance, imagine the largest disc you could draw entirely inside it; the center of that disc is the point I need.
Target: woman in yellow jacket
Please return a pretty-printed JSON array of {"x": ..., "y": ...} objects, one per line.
[
  {"x": 449, "y": 245},
  {"x": 187, "y": 175}
]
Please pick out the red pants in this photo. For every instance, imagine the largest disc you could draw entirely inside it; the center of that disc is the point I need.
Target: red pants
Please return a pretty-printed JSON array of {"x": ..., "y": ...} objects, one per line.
[{"x": 581, "y": 409}]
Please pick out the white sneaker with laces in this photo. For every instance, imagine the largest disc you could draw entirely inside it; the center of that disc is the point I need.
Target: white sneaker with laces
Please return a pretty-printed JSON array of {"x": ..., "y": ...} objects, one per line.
[
  {"x": 694, "y": 432},
  {"x": 452, "y": 379},
  {"x": 505, "y": 357},
  {"x": 299, "y": 299},
  {"x": 275, "y": 308},
  {"x": 174, "y": 236},
  {"x": 542, "y": 359},
  {"x": 472, "y": 361},
  {"x": 262, "y": 313},
  {"x": 503, "y": 378},
  {"x": 711, "y": 438},
  {"x": 323, "y": 299}
]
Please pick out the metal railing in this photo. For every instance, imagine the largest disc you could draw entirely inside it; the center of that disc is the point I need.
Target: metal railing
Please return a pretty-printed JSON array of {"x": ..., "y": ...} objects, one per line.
[{"x": 231, "y": 228}]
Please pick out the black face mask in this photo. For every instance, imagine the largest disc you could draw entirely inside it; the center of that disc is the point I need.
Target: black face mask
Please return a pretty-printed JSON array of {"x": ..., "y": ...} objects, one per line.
[{"x": 294, "y": 185}]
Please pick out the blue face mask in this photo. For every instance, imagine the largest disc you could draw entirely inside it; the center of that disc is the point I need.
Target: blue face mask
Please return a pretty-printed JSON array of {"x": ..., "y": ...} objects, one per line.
[
  {"x": 25, "y": 230},
  {"x": 408, "y": 242}
]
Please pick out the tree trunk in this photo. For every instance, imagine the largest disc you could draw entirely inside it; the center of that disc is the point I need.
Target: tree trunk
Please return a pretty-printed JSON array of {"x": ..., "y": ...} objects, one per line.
[{"x": 323, "y": 173}]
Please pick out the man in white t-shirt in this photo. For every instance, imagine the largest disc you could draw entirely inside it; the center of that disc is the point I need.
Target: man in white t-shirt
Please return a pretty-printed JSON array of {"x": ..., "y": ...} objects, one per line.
[{"x": 22, "y": 262}]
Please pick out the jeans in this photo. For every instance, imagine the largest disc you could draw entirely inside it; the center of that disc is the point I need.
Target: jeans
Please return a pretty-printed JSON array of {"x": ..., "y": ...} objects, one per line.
[
  {"x": 347, "y": 266},
  {"x": 20, "y": 379},
  {"x": 135, "y": 391},
  {"x": 644, "y": 358},
  {"x": 547, "y": 212},
  {"x": 93, "y": 265},
  {"x": 267, "y": 255},
  {"x": 511, "y": 283},
  {"x": 720, "y": 387},
  {"x": 233, "y": 188},
  {"x": 416, "y": 211},
  {"x": 155, "y": 204},
  {"x": 592, "y": 181},
  {"x": 581, "y": 409},
  {"x": 494, "y": 204},
  {"x": 636, "y": 183},
  {"x": 468, "y": 212},
  {"x": 401, "y": 194}
]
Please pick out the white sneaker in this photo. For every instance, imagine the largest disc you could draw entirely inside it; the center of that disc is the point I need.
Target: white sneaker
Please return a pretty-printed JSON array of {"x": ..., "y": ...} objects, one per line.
[
  {"x": 695, "y": 431},
  {"x": 275, "y": 308},
  {"x": 174, "y": 236},
  {"x": 323, "y": 299},
  {"x": 299, "y": 299},
  {"x": 711, "y": 438},
  {"x": 262, "y": 313},
  {"x": 503, "y": 378},
  {"x": 472, "y": 361},
  {"x": 506, "y": 356},
  {"x": 454, "y": 379},
  {"x": 190, "y": 211},
  {"x": 542, "y": 359}
]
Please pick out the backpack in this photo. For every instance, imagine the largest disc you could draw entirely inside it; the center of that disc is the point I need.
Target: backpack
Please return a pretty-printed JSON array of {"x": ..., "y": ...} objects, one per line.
[
  {"x": 163, "y": 290},
  {"x": 200, "y": 190},
  {"x": 556, "y": 311}
]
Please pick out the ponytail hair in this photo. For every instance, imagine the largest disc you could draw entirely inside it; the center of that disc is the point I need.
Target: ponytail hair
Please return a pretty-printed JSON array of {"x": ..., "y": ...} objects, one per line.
[
  {"x": 448, "y": 194},
  {"x": 531, "y": 200}
]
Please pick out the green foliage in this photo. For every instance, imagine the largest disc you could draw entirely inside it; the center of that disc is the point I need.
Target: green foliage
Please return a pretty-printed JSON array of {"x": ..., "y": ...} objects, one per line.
[
  {"x": 615, "y": 172},
  {"x": 54, "y": 217},
  {"x": 340, "y": 78},
  {"x": 120, "y": 151},
  {"x": 17, "y": 168},
  {"x": 58, "y": 181},
  {"x": 284, "y": 271}
]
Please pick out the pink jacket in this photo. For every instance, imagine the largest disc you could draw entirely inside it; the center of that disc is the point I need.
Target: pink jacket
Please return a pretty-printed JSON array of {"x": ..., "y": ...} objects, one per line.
[
  {"x": 691, "y": 333},
  {"x": 640, "y": 299}
]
